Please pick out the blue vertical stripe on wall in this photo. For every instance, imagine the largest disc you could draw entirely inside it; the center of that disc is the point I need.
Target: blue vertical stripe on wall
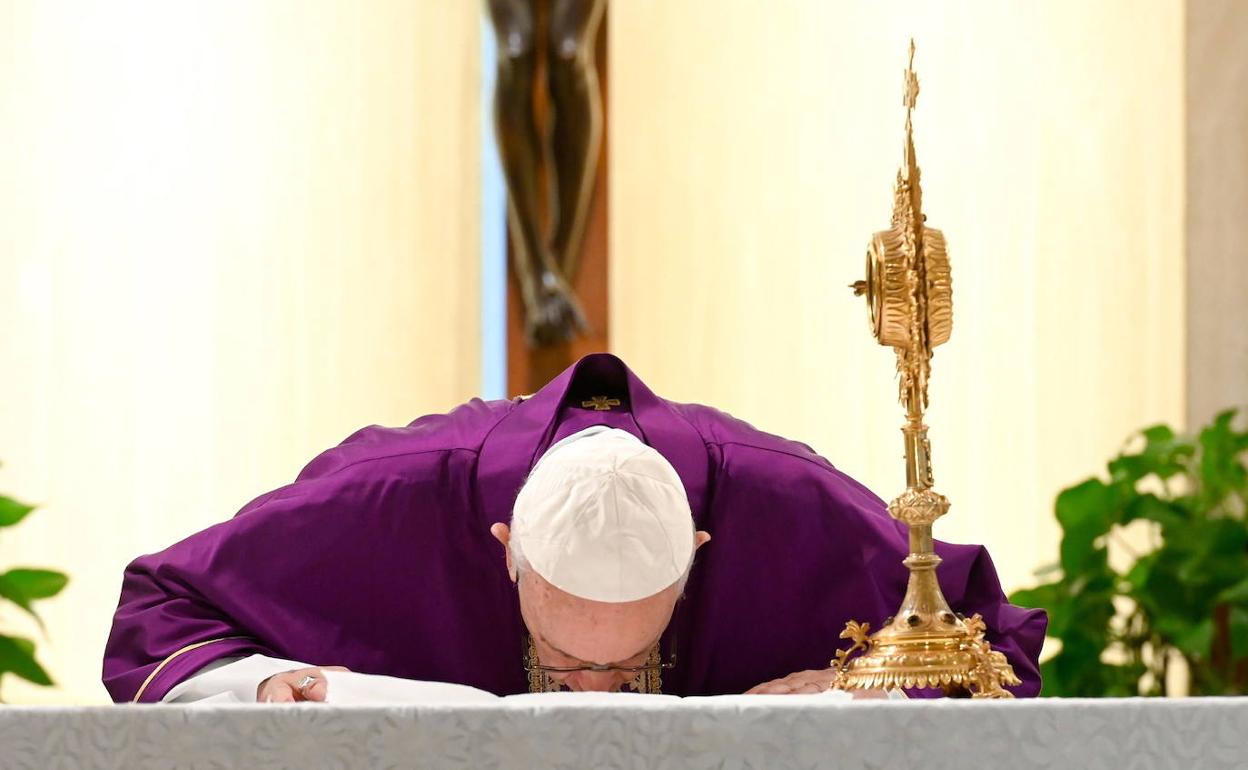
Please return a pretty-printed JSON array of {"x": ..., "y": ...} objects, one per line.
[{"x": 493, "y": 234}]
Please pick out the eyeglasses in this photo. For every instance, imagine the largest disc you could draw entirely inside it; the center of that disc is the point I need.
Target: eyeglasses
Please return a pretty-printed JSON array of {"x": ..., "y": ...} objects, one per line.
[{"x": 654, "y": 663}]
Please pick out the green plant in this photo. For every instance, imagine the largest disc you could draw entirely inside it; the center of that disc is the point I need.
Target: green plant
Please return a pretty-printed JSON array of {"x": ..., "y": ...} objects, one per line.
[
  {"x": 23, "y": 586},
  {"x": 1184, "y": 594}
]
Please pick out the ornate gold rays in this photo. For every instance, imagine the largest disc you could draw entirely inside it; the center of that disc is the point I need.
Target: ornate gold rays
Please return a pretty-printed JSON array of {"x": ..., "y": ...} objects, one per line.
[{"x": 910, "y": 296}]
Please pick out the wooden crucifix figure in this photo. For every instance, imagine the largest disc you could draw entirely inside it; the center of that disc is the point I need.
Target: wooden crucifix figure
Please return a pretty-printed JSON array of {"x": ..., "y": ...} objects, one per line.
[{"x": 547, "y": 74}]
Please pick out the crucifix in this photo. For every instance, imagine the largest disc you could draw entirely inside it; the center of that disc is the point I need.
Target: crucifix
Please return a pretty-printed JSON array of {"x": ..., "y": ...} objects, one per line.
[{"x": 549, "y": 119}]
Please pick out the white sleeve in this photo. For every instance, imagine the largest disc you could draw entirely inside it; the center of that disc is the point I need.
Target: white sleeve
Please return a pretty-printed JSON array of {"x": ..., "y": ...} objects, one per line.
[{"x": 229, "y": 680}]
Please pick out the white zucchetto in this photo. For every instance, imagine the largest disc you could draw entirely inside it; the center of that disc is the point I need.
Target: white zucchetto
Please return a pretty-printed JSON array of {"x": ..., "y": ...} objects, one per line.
[{"x": 604, "y": 517}]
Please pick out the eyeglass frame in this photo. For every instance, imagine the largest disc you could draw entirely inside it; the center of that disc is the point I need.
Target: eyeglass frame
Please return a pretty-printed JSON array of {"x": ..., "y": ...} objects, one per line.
[{"x": 662, "y": 665}]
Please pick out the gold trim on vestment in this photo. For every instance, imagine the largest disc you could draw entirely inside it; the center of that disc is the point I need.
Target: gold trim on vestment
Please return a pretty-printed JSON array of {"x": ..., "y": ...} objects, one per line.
[{"x": 165, "y": 662}]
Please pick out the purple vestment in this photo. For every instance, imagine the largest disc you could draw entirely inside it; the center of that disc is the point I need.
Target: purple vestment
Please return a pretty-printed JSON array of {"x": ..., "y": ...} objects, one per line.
[{"x": 379, "y": 557}]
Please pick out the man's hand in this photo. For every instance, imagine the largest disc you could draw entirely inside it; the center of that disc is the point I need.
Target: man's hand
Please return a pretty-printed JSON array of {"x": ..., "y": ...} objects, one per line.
[
  {"x": 284, "y": 687},
  {"x": 813, "y": 681}
]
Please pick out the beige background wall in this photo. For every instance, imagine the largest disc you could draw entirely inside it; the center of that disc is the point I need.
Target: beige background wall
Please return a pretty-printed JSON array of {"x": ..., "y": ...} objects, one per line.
[
  {"x": 233, "y": 233},
  {"x": 755, "y": 146},
  {"x": 1217, "y": 206}
]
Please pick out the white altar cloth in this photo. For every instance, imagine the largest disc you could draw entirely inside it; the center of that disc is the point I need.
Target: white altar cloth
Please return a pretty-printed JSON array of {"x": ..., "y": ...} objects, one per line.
[{"x": 768, "y": 732}]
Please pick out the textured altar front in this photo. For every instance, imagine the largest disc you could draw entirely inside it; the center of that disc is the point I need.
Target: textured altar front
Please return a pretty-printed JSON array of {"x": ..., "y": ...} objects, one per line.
[{"x": 765, "y": 732}]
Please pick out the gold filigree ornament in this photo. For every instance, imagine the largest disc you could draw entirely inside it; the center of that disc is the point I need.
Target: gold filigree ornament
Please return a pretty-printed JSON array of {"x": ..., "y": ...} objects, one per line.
[{"x": 910, "y": 295}]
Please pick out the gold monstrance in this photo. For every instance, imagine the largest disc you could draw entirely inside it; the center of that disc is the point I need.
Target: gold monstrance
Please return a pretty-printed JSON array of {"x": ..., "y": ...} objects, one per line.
[{"x": 910, "y": 296}]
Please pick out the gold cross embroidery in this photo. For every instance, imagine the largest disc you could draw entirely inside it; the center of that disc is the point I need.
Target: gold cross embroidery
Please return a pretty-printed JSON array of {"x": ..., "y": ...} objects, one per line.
[{"x": 601, "y": 403}]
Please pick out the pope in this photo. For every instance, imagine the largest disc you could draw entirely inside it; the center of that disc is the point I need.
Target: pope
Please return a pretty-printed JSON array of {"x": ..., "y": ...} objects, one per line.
[{"x": 537, "y": 544}]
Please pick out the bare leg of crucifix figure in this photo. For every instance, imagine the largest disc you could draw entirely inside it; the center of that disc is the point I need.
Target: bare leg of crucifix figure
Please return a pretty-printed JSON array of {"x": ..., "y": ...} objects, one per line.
[
  {"x": 552, "y": 313},
  {"x": 573, "y": 82}
]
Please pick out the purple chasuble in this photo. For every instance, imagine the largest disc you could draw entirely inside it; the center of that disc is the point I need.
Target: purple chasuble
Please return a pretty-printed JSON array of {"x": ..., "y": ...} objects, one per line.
[{"x": 379, "y": 557}]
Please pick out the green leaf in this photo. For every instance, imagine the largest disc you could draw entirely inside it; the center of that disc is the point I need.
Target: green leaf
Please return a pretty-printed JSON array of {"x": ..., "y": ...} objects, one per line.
[
  {"x": 1047, "y": 595},
  {"x": 1220, "y": 470},
  {"x": 1196, "y": 640},
  {"x": 1173, "y": 605},
  {"x": 1163, "y": 455},
  {"x": 35, "y": 583},
  {"x": 1217, "y": 548},
  {"x": 1128, "y": 469},
  {"x": 1158, "y": 433},
  {"x": 1239, "y": 632},
  {"x": 17, "y": 656},
  {"x": 11, "y": 511},
  {"x": 1061, "y": 616},
  {"x": 1051, "y": 683},
  {"x": 1085, "y": 503},
  {"x": 1236, "y": 594},
  {"x": 24, "y": 585},
  {"x": 1077, "y": 670},
  {"x": 1137, "y": 576},
  {"x": 1085, "y": 512},
  {"x": 1123, "y": 681},
  {"x": 1151, "y": 507}
]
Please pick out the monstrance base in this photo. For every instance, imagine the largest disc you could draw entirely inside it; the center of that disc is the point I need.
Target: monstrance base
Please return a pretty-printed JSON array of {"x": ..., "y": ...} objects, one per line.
[{"x": 957, "y": 657}]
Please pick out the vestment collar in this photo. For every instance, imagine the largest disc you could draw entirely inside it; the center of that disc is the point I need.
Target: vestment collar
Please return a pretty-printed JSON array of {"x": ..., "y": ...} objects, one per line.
[{"x": 520, "y": 438}]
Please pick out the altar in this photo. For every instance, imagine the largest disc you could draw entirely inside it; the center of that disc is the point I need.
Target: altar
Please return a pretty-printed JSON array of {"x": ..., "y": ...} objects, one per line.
[{"x": 771, "y": 732}]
